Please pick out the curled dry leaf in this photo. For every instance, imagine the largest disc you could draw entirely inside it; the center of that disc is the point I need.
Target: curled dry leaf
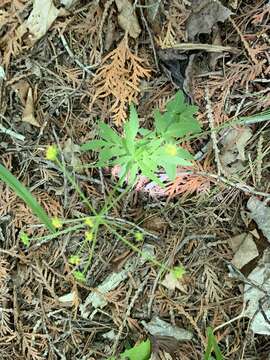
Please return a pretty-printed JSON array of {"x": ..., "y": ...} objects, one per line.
[
  {"x": 127, "y": 18},
  {"x": 71, "y": 154},
  {"x": 28, "y": 113},
  {"x": 256, "y": 296},
  {"x": 232, "y": 153},
  {"x": 204, "y": 15},
  {"x": 244, "y": 249},
  {"x": 260, "y": 213},
  {"x": 40, "y": 19},
  {"x": 172, "y": 283}
]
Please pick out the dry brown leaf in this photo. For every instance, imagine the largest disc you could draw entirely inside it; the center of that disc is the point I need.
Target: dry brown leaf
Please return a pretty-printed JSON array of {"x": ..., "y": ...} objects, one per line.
[
  {"x": 171, "y": 283},
  {"x": 41, "y": 18},
  {"x": 232, "y": 154},
  {"x": 244, "y": 249},
  {"x": 28, "y": 113},
  {"x": 21, "y": 88},
  {"x": 204, "y": 15},
  {"x": 127, "y": 18}
]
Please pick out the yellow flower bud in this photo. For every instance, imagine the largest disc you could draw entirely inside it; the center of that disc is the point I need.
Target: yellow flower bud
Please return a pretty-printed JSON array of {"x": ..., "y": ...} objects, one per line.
[{"x": 51, "y": 153}]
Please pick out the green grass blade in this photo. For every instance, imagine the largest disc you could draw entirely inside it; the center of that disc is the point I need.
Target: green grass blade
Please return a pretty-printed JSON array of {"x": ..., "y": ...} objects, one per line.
[
  {"x": 212, "y": 346},
  {"x": 26, "y": 196}
]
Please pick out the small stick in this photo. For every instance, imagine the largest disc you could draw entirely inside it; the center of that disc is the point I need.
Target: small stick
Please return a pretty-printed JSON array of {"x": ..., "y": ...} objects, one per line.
[
  {"x": 70, "y": 53},
  {"x": 11, "y": 133},
  {"x": 213, "y": 131},
  {"x": 127, "y": 315}
]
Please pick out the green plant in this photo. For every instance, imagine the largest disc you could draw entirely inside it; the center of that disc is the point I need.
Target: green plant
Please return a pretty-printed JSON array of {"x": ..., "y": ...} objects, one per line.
[
  {"x": 143, "y": 150},
  {"x": 26, "y": 196},
  {"x": 137, "y": 352},
  {"x": 212, "y": 346}
]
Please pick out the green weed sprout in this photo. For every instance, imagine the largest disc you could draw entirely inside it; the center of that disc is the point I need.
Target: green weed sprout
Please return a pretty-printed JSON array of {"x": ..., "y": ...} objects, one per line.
[{"x": 146, "y": 151}]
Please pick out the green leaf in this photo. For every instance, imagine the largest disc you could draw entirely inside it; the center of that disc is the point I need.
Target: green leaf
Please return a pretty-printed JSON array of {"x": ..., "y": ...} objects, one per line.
[
  {"x": 182, "y": 127},
  {"x": 106, "y": 154},
  {"x": 93, "y": 145},
  {"x": 170, "y": 170},
  {"x": 26, "y": 196},
  {"x": 178, "y": 272},
  {"x": 212, "y": 346},
  {"x": 177, "y": 104},
  {"x": 146, "y": 171},
  {"x": 137, "y": 352},
  {"x": 133, "y": 173},
  {"x": 108, "y": 134},
  {"x": 132, "y": 126}
]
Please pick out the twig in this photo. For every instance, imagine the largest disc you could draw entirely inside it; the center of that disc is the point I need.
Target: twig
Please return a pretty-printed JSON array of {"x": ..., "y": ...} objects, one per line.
[
  {"x": 213, "y": 131},
  {"x": 70, "y": 53},
  {"x": 119, "y": 220},
  {"x": 237, "y": 185},
  {"x": 127, "y": 315},
  {"x": 150, "y": 37},
  {"x": 245, "y": 43},
  {"x": 11, "y": 133}
]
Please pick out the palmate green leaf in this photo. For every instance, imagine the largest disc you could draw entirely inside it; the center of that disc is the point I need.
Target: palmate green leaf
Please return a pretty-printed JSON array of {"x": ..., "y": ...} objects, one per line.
[
  {"x": 26, "y": 196},
  {"x": 137, "y": 352},
  {"x": 108, "y": 134},
  {"x": 148, "y": 172},
  {"x": 132, "y": 126},
  {"x": 182, "y": 127},
  {"x": 93, "y": 145},
  {"x": 177, "y": 104}
]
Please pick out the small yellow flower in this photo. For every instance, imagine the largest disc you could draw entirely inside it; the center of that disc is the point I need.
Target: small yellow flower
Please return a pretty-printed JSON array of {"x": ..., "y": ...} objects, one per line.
[
  {"x": 51, "y": 153},
  {"x": 171, "y": 150},
  {"x": 89, "y": 222},
  {"x": 24, "y": 239},
  {"x": 57, "y": 223},
  {"x": 74, "y": 260},
  {"x": 88, "y": 236},
  {"x": 138, "y": 236},
  {"x": 78, "y": 275}
]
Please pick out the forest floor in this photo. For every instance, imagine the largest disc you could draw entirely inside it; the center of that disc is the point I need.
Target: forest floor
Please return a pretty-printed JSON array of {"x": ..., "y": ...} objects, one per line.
[{"x": 65, "y": 66}]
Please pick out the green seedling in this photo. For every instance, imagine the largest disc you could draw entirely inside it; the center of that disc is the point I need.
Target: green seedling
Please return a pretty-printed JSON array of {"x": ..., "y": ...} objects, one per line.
[{"x": 146, "y": 151}]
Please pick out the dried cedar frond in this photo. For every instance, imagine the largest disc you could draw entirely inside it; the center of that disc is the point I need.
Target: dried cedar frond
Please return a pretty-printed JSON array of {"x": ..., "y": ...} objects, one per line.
[{"x": 119, "y": 77}]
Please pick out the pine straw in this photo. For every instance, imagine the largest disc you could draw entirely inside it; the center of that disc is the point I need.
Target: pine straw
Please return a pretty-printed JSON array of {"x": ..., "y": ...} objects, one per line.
[{"x": 33, "y": 323}]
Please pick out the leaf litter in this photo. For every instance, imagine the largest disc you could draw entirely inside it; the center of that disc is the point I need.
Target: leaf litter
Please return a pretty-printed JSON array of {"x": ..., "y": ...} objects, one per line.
[{"x": 43, "y": 300}]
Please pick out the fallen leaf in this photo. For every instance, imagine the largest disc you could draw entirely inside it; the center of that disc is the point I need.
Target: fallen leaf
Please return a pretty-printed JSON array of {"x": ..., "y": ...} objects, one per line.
[
  {"x": 232, "y": 155},
  {"x": 204, "y": 15},
  {"x": 170, "y": 282},
  {"x": 159, "y": 327},
  {"x": 127, "y": 18},
  {"x": 98, "y": 299},
  {"x": 255, "y": 296},
  {"x": 41, "y": 18},
  {"x": 28, "y": 113},
  {"x": 244, "y": 249},
  {"x": 71, "y": 154},
  {"x": 260, "y": 213},
  {"x": 21, "y": 88}
]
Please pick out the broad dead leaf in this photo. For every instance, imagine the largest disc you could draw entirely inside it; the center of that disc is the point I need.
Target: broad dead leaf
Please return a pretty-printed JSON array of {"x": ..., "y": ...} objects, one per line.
[
  {"x": 127, "y": 18},
  {"x": 171, "y": 283},
  {"x": 244, "y": 248},
  {"x": 41, "y": 18},
  {"x": 204, "y": 15},
  {"x": 71, "y": 154},
  {"x": 232, "y": 153},
  {"x": 28, "y": 113},
  {"x": 256, "y": 299},
  {"x": 260, "y": 213}
]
